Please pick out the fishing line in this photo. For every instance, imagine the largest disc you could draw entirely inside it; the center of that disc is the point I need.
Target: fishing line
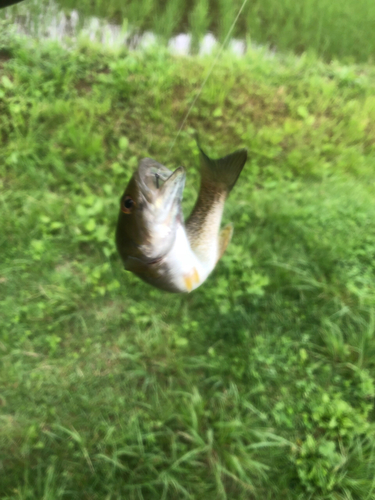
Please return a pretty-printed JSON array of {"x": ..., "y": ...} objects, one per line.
[{"x": 208, "y": 75}]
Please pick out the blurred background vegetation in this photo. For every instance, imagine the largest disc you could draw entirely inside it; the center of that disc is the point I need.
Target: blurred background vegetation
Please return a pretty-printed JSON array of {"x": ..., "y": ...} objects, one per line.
[
  {"x": 261, "y": 383},
  {"x": 332, "y": 29}
]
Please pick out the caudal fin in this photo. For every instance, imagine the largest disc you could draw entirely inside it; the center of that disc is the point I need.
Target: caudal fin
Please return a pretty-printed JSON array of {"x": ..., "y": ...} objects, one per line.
[{"x": 223, "y": 171}]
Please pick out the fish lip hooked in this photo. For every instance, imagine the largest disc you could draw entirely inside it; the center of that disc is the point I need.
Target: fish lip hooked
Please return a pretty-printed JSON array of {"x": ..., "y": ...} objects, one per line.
[{"x": 167, "y": 183}]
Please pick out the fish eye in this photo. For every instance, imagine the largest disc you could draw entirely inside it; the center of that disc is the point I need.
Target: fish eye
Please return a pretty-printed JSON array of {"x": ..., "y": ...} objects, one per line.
[{"x": 127, "y": 205}]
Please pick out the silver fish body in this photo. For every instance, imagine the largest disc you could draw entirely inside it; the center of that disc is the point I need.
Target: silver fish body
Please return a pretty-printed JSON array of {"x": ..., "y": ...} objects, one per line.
[{"x": 151, "y": 237}]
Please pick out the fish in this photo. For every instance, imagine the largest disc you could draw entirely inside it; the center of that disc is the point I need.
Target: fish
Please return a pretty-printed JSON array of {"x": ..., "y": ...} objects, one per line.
[{"x": 152, "y": 238}]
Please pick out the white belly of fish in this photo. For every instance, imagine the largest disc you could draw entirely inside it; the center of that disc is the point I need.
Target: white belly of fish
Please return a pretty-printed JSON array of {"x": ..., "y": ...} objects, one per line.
[{"x": 186, "y": 271}]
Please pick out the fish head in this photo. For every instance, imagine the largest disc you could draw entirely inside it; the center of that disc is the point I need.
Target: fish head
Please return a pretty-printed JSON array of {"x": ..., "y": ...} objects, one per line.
[{"x": 150, "y": 211}]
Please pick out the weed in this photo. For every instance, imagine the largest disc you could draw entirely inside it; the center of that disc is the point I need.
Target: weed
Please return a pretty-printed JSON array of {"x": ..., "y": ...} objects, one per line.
[{"x": 260, "y": 384}]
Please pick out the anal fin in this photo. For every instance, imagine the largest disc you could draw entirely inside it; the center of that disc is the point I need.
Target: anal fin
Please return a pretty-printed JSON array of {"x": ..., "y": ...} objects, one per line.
[{"x": 224, "y": 238}]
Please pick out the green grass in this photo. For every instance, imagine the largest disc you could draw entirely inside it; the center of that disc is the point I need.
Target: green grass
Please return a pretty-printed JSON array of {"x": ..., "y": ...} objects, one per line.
[
  {"x": 258, "y": 385},
  {"x": 333, "y": 29}
]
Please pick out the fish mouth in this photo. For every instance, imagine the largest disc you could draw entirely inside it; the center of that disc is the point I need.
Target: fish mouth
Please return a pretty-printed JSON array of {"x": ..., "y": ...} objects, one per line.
[
  {"x": 160, "y": 195},
  {"x": 150, "y": 176},
  {"x": 169, "y": 194},
  {"x": 157, "y": 182}
]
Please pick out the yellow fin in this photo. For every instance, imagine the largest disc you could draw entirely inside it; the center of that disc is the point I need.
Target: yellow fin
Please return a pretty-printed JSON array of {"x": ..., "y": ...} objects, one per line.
[
  {"x": 191, "y": 279},
  {"x": 224, "y": 238}
]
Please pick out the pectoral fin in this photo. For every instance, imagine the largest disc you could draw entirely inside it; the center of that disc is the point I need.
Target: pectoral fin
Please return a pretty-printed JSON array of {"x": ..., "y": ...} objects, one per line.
[
  {"x": 224, "y": 238},
  {"x": 191, "y": 280}
]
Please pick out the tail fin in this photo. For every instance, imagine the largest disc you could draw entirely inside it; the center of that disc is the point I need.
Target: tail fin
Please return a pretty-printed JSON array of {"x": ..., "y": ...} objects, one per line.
[{"x": 224, "y": 171}]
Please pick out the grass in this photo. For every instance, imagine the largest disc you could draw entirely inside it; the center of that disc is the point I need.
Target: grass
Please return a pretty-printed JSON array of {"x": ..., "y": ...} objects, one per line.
[
  {"x": 258, "y": 385},
  {"x": 333, "y": 29}
]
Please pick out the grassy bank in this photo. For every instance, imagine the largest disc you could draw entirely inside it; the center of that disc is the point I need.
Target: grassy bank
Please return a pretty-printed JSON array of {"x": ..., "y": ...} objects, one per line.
[
  {"x": 333, "y": 29},
  {"x": 260, "y": 384}
]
